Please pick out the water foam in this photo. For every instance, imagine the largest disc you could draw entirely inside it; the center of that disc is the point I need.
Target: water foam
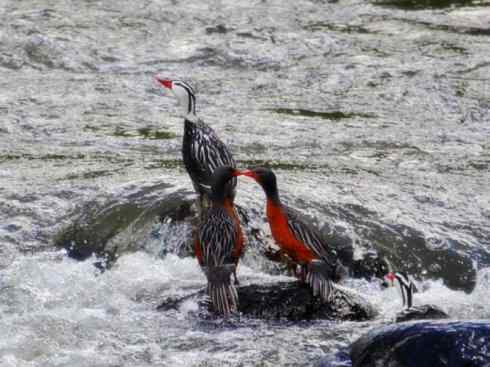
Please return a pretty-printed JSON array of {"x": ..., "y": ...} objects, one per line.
[{"x": 56, "y": 311}]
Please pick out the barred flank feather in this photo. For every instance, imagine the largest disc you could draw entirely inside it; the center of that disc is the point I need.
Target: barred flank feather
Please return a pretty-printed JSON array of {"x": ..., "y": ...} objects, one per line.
[
  {"x": 311, "y": 238},
  {"x": 318, "y": 277},
  {"x": 203, "y": 152},
  {"x": 221, "y": 290}
]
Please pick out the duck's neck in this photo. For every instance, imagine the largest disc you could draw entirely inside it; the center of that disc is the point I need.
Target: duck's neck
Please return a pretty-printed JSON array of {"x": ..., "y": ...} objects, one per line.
[
  {"x": 275, "y": 212},
  {"x": 191, "y": 117},
  {"x": 219, "y": 195},
  {"x": 272, "y": 194},
  {"x": 274, "y": 206}
]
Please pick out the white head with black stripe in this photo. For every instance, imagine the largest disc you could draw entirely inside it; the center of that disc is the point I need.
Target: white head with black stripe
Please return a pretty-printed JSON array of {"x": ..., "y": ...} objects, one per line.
[
  {"x": 405, "y": 285},
  {"x": 183, "y": 92}
]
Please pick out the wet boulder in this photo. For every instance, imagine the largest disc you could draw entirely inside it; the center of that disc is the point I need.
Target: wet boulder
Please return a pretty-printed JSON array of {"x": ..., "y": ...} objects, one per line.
[
  {"x": 422, "y": 312},
  {"x": 405, "y": 247},
  {"x": 158, "y": 218},
  {"x": 288, "y": 300},
  {"x": 425, "y": 344},
  {"x": 125, "y": 221}
]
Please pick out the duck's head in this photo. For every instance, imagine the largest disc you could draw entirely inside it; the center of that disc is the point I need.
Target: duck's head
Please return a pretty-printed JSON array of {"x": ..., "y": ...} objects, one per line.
[
  {"x": 265, "y": 178},
  {"x": 221, "y": 177},
  {"x": 183, "y": 92}
]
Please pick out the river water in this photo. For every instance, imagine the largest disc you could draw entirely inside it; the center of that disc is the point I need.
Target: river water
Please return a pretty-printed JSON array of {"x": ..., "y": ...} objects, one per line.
[{"x": 374, "y": 115}]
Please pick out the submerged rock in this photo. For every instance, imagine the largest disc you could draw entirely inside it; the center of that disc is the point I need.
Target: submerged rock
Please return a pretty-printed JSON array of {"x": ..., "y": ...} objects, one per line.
[
  {"x": 423, "y": 312},
  {"x": 425, "y": 344},
  {"x": 130, "y": 219},
  {"x": 135, "y": 216},
  {"x": 124, "y": 222},
  {"x": 405, "y": 247},
  {"x": 289, "y": 300}
]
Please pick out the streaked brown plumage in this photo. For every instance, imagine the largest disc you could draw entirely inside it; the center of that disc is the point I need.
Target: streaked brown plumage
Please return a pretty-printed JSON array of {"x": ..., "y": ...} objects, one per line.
[
  {"x": 219, "y": 244},
  {"x": 202, "y": 149}
]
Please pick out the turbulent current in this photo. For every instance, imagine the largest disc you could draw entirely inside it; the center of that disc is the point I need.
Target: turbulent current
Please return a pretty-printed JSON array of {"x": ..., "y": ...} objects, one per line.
[{"x": 373, "y": 114}]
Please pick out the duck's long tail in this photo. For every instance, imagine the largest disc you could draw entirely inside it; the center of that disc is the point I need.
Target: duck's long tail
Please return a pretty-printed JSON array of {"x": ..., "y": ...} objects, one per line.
[
  {"x": 319, "y": 278},
  {"x": 222, "y": 292}
]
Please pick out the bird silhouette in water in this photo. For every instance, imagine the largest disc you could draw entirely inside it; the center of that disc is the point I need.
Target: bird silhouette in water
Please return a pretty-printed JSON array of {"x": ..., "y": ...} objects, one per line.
[
  {"x": 297, "y": 239},
  {"x": 219, "y": 243}
]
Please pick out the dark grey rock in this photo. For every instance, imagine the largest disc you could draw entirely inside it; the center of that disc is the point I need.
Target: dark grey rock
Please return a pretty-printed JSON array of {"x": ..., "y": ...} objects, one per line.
[
  {"x": 289, "y": 300},
  {"x": 423, "y": 312},
  {"x": 104, "y": 227},
  {"x": 425, "y": 344}
]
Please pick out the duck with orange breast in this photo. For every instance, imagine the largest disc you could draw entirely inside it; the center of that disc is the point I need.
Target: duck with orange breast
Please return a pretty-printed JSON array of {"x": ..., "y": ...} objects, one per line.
[
  {"x": 219, "y": 244},
  {"x": 297, "y": 239}
]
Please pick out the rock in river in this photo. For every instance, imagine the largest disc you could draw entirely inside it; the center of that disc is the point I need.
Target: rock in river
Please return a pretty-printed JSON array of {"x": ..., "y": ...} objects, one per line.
[
  {"x": 292, "y": 301},
  {"x": 425, "y": 344},
  {"x": 422, "y": 312}
]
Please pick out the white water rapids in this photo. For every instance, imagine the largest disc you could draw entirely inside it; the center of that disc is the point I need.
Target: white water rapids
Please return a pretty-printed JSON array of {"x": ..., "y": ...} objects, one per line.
[
  {"x": 374, "y": 115},
  {"x": 60, "y": 312}
]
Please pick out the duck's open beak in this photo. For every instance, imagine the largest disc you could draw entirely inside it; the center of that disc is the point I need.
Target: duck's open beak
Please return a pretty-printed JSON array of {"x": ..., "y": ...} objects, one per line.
[{"x": 167, "y": 83}]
